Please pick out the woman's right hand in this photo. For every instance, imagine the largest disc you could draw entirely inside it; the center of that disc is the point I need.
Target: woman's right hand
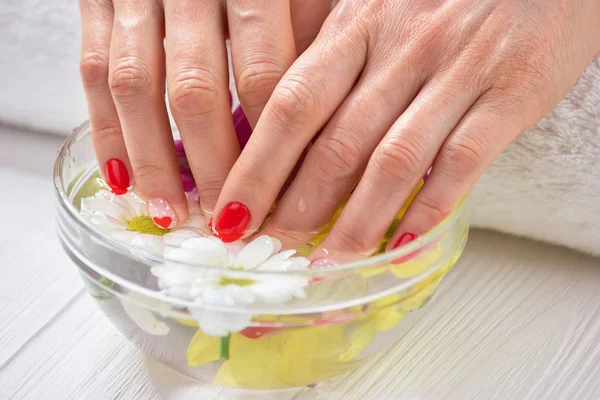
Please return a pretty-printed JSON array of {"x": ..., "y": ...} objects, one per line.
[{"x": 124, "y": 67}]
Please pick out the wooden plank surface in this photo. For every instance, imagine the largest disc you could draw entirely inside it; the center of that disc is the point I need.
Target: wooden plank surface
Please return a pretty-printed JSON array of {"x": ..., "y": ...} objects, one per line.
[{"x": 514, "y": 319}]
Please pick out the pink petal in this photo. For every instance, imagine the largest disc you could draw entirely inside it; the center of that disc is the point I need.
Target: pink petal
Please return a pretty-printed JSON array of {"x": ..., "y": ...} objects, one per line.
[
  {"x": 179, "y": 147},
  {"x": 426, "y": 176},
  {"x": 188, "y": 182},
  {"x": 242, "y": 126}
]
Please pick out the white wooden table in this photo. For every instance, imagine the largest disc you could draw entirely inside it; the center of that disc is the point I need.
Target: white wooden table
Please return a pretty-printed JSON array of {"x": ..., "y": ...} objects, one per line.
[{"x": 513, "y": 320}]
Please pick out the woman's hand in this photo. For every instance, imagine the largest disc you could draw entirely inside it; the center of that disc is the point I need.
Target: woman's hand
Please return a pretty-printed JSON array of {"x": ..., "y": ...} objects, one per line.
[
  {"x": 124, "y": 65},
  {"x": 389, "y": 89}
]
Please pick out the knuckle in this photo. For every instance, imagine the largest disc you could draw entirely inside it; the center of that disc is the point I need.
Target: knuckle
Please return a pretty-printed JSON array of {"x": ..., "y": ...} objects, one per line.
[
  {"x": 93, "y": 68},
  {"x": 209, "y": 191},
  {"x": 286, "y": 232},
  {"x": 430, "y": 211},
  {"x": 337, "y": 155},
  {"x": 147, "y": 172},
  {"x": 398, "y": 159},
  {"x": 105, "y": 133},
  {"x": 257, "y": 182},
  {"x": 294, "y": 101},
  {"x": 129, "y": 78},
  {"x": 464, "y": 156},
  {"x": 194, "y": 92},
  {"x": 256, "y": 83},
  {"x": 349, "y": 241},
  {"x": 357, "y": 16}
]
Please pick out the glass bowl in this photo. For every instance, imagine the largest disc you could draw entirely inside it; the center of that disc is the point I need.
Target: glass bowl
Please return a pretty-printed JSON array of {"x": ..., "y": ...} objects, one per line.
[{"x": 350, "y": 312}]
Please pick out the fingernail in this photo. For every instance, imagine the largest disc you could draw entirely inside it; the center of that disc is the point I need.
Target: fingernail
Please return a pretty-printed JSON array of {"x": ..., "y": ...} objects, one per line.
[
  {"x": 322, "y": 263},
  {"x": 425, "y": 177},
  {"x": 162, "y": 213},
  {"x": 117, "y": 176},
  {"x": 232, "y": 223},
  {"x": 404, "y": 239}
]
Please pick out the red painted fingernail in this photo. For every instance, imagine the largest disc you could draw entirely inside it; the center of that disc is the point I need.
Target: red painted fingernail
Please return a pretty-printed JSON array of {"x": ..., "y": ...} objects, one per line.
[
  {"x": 232, "y": 223},
  {"x": 403, "y": 240},
  {"x": 210, "y": 226},
  {"x": 116, "y": 175}
]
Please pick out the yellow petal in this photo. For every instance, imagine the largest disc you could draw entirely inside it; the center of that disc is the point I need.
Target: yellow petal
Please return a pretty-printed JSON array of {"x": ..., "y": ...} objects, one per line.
[
  {"x": 373, "y": 271},
  {"x": 225, "y": 376},
  {"x": 387, "y": 319},
  {"x": 202, "y": 349},
  {"x": 252, "y": 363},
  {"x": 312, "y": 355},
  {"x": 289, "y": 358},
  {"x": 400, "y": 215},
  {"x": 418, "y": 266},
  {"x": 361, "y": 337},
  {"x": 187, "y": 322}
]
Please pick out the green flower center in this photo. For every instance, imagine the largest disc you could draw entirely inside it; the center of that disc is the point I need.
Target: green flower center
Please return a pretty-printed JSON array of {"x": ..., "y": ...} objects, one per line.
[
  {"x": 144, "y": 224},
  {"x": 235, "y": 281}
]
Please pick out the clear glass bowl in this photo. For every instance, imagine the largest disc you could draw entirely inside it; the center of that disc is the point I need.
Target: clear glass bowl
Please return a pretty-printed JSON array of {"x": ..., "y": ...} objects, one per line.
[{"x": 351, "y": 311}]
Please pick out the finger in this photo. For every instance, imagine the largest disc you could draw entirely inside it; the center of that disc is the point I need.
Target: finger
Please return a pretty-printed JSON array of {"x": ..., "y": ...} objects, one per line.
[
  {"x": 396, "y": 166},
  {"x": 97, "y": 23},
  {"x": 337, "y": 159},
  {"x": 262, "y": 49},
  {"x": 302, "y": 102},
  {"x": 480, "y": 136},
  {"x": 307, "y": 18},
  {"x": 198, "y": 87},
  {"x": 137, "y": 85}
]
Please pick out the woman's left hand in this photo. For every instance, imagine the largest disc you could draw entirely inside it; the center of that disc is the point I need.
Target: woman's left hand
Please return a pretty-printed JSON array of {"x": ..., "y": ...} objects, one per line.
[{"x": 389, "y": 89}]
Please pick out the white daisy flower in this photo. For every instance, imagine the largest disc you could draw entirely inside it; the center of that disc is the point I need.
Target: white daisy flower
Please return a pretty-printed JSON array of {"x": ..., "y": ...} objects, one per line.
[
  {"x": 229, "y": 282},
  {"x": 125, "y": 217}
]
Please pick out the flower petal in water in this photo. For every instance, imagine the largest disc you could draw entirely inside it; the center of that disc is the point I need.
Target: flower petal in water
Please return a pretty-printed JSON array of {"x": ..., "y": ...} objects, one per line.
[
  {"x": 126, "y": 219},
  {"x": 215, "y": 323},
  {"x": 218, "y": 274},
  {"x": 145, "y": 319}
]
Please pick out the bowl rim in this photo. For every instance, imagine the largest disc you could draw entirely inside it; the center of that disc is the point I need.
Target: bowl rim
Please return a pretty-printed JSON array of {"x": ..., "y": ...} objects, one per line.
[{"x": 146, "y": 257}]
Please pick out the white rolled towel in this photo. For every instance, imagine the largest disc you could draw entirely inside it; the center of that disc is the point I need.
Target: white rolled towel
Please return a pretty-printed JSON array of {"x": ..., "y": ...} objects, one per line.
[{"x": 545, "y": 186}]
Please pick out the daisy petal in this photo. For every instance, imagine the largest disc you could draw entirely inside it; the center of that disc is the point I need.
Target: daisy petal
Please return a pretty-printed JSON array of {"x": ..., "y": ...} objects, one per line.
[
  {"x": 155, "y": 244},
  {"x": 216, "y": 323},
  {"x": 206, "y": 251},
  {"x": 276, "y": 245},
  {"x": 255, "y": 253},
  {"x": 145, "y": 319},
  {"x": 297, "y": 263},
  {"x": 101, "y": 204},
  {"x": 276, "y": 263},
  {"x": 175, "y": 238},
  {"x": 271, "y": 293},
  {"x": 134, "y": 204}
]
